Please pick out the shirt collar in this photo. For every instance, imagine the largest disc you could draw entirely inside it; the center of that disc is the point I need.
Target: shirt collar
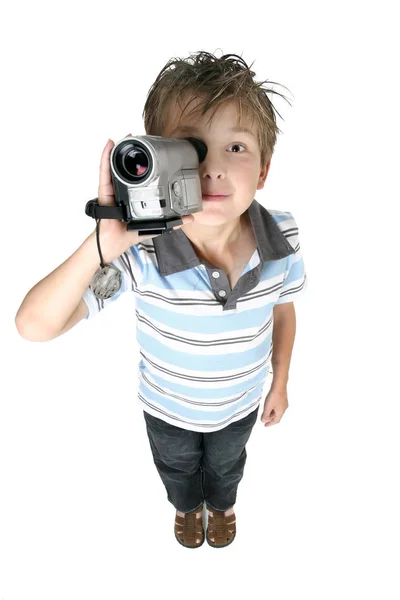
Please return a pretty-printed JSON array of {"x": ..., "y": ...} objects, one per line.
[{"x": 175, "y": 252}]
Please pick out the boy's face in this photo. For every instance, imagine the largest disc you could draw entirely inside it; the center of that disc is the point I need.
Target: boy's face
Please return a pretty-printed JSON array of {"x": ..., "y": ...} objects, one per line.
[{"x": 232, "y": 165}]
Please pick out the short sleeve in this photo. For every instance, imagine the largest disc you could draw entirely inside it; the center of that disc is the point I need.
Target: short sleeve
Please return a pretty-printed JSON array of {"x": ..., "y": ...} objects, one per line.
[
  {"x": 295, "y": 282},
  {"x": 130, "y": 266}
]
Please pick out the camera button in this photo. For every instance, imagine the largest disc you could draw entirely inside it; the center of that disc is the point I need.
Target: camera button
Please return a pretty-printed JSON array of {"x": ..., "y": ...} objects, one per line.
[{"x": 176, "y": 188}]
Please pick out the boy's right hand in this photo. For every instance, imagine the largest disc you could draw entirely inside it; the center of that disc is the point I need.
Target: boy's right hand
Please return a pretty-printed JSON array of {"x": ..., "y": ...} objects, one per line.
[{"x": 113, "y": 235}]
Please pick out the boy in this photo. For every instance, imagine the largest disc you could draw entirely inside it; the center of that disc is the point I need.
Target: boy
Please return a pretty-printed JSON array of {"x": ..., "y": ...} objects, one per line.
[{"x": 213, "y": 298}]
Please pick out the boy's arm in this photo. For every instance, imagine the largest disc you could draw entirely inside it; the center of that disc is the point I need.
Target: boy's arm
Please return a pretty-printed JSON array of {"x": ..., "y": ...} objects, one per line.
[
  {"x": 53, "y": 303},
  {"x": 283, "y": 335}
]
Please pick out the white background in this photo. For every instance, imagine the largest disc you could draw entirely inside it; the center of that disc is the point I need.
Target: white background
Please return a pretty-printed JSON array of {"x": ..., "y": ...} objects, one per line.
[{"x": 83, "y": 512}]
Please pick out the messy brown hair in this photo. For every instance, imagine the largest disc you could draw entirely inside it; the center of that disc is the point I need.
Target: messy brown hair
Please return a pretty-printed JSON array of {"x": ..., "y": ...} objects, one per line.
[{"x": 213, "y": 81}]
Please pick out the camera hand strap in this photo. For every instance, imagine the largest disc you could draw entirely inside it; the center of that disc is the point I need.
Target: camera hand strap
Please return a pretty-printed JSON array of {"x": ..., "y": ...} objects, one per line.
[{"x": 108, "y": 279}]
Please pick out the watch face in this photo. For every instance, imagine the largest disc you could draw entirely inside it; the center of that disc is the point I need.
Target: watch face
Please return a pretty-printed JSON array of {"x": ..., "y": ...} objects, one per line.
[{"x": 106, "y": 282}]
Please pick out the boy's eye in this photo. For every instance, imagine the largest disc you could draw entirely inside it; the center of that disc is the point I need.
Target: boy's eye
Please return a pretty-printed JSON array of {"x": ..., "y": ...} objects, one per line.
[{"x": 237, "y": 146}]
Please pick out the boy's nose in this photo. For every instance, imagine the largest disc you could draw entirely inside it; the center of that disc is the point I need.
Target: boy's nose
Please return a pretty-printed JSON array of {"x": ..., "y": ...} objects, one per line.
[
  {"x": 211, "y": 169},
  {"x": 214, "y": 174}
]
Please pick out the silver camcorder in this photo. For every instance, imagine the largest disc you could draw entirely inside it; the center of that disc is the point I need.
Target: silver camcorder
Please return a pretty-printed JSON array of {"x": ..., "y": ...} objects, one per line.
[{"x": 156, "y": 181}]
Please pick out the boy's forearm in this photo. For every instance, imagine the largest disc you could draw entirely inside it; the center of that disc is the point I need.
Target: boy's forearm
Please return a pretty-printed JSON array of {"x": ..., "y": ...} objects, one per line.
[
  {"x": 283, "y": 336},
  {"x": 49, "y": 304}
]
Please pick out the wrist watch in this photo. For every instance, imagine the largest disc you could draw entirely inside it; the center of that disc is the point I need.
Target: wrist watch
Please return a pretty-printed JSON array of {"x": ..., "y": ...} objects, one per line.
[
  {"x": 108, "y": 279},
  {"x": 106, "y": 282}
]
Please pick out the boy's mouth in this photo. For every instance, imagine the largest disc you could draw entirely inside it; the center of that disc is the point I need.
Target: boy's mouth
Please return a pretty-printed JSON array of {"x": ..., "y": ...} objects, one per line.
[{"x": 214, "y": 197}]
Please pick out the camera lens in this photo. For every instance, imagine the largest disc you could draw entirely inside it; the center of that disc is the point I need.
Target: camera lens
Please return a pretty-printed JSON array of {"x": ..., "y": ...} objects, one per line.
[
  {"x": 133, "y": 162},
  {"x": 136, "y": 162}
]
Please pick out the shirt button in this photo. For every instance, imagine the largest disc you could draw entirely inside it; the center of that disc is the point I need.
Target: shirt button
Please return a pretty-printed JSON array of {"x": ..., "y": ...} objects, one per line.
[
  {"x": 215, "y": 274},
  {"x": 222, "y": 293}
]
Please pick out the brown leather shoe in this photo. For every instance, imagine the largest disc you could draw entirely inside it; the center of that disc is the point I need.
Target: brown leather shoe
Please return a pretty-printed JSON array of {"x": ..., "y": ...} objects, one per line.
[
  {"x": 221, "y": 528},
  {"x": 190, "y": 528}
]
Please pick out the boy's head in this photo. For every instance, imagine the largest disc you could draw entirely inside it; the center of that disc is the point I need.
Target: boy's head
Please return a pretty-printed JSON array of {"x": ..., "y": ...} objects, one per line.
[{"x": 209, "y": 98}]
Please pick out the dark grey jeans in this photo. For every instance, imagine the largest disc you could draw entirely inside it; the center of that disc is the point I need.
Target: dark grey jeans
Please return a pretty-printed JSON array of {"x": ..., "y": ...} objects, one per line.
[{"x": 197, "y": 467}]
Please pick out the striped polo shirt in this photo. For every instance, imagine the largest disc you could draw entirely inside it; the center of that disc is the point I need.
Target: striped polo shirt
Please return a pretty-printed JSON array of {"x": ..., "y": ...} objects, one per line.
[{"x": 205, "y": 348}]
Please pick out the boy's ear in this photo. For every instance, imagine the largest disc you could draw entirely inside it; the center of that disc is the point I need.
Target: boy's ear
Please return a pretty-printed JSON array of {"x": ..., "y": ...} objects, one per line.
[{"x": 263, "y": 175}]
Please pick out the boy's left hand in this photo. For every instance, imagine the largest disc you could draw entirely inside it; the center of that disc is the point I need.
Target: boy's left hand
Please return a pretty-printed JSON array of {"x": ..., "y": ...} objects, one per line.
[{"x": 275, "y": 405}]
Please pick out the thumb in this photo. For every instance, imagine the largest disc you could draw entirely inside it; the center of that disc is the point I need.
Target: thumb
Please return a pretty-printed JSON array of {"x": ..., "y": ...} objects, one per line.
[
  {"x": 186, "y": 219},
  {"x": 266, "y": 415}
]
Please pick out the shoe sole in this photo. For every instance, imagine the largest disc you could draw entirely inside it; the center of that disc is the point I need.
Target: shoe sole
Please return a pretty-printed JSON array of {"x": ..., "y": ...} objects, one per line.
[
  {"x": 223, "y": 545},
  {"x": 185, "y": 546}
]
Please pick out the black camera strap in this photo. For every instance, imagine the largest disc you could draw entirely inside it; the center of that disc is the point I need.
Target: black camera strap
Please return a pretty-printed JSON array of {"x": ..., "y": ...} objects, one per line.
[{"x": 93, "y": 209}]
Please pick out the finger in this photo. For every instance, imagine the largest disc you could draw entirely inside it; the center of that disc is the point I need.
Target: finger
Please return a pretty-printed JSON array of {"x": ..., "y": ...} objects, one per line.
[
  {"x": 187, "y": 219},
  {"x": 105, "y": 178},
  {"x": 275, "y": 419},
  {"x": 106, "y": 190},
  {"x": 267, "y": 417}
]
